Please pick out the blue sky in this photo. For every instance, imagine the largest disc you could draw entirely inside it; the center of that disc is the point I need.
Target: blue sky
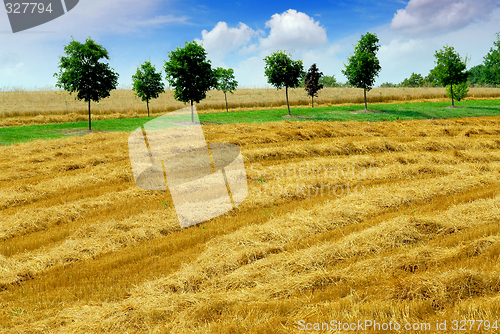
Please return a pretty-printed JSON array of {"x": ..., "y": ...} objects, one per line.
[{"x": 240, "y": 34}]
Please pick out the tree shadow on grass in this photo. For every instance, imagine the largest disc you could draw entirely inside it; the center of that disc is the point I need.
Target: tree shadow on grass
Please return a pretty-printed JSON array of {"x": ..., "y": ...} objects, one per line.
[
  {"x": 485, "y": 108},
  {"x": 378, "y": 115}
]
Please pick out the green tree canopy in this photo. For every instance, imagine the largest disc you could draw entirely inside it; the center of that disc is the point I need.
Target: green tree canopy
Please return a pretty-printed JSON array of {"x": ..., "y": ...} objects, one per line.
[
  {"x": 147, "y": 84},
  {"x": 82, "y": 71},
  {"x": 190, "y": 74},
  {"x": 282, "y": 71},
  {"x": 477, "y": 75},
  {"x": 388, "y": 85},
  {"x": 328, "y": 81},
  {"x": 492, "y": 63},
  {"x": 312, "y": 85},
  {"x": 450, "y": 68},
  {"x": 226, "y": 81},
  {"x": 363, "y": 66},
  {"x": 431, "y": 80},
  {"x": 415, "y": 80}
]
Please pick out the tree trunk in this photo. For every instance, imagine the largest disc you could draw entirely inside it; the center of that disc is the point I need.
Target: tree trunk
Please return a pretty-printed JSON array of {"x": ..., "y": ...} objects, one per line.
[
  {"x": 147, "y": 103},
  {"x": 452, "y": 101},
  {"x": 312, "y": 101},
  {"x": 90, "y": 126},
  {"x": 227, "y": 110},
  {"x": 288, "y": 105},
  {"x": 192, "y": 114},
  {"x": 366, "y": 106}
]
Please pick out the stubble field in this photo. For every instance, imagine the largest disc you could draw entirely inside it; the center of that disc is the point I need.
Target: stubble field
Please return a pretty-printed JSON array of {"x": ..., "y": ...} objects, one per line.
[{"x": 346, "y": 221}]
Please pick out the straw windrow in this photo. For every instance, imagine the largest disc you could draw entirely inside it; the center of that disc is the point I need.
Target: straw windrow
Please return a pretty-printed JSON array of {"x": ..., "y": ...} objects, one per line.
[{"x": 409, "y": 235}]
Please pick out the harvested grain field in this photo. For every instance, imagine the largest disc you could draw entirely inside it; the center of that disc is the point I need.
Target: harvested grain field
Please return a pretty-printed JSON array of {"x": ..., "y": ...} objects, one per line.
[
  {"x": 59, "y": 106},
  {"x": 388, "y": 222}
]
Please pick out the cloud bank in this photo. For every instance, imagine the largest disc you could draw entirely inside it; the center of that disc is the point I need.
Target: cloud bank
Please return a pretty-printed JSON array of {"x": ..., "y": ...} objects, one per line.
[
  {"x": 291, "y": 30},
  {"x": 433, "y": 17}
]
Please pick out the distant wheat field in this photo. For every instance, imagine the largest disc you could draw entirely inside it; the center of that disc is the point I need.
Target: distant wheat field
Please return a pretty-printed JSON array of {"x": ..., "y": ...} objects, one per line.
[
  {"x": 344, "y": 221},
  {"x": 59, "y": 106}
]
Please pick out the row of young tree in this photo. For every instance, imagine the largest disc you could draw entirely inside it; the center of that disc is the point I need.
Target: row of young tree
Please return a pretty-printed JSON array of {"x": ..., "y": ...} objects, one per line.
[
  {"x": 83, "y": 71},
  {"x": 450, "y": 70},
  {"x": 485, "y": 74},
  {"x": 363, "y": 67},
  {"x": 189, "y": 73}
]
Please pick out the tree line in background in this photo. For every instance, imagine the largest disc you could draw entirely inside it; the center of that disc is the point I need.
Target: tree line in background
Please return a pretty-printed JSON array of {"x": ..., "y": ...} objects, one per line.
[
  {"x": 486, "y": 74},
  {"x": 189, "y": 72}
]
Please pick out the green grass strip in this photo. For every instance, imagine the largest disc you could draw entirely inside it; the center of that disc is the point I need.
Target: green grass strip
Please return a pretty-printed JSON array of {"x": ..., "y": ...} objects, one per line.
[{"x": 385, "y": 112}]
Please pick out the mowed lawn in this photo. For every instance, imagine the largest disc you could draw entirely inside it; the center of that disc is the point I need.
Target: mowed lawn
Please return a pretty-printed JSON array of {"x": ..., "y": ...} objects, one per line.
[{"x": 378, "y": 112}]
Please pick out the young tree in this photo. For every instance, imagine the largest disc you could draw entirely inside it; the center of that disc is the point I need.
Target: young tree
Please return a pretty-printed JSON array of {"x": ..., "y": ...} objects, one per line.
[
  {"x": 492, "y": 63},
  {"x": 363, "y": 65},
  {"x": 147, "y": 84},
  {"x": 82, "y": 71},
  {"x": 312, "y": 85},
  {"x": 190, "y": 73},
  {"x": 450, "y": 68},
  {"x": 282, "y": 71},
  {"x": 460, "y": 91},
  {"x": 226, "y": 81}
]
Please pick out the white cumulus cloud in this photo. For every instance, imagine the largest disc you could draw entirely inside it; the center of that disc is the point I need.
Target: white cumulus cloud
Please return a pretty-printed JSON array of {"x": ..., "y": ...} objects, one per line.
[
  {"x": 222, "y": 39},
  {"x": 293, "y": 30},
  {"x": 432, "y": 17}
]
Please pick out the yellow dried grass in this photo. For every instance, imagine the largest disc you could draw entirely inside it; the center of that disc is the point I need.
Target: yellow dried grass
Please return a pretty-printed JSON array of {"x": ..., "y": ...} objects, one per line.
[{"x": 111, "y": 258}]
